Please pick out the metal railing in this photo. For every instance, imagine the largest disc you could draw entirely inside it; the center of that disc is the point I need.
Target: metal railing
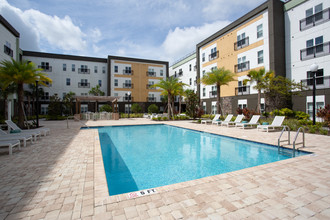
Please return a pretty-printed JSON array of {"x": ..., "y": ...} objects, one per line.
[
  {"x": 128, "y": 72},
  {"x": 285, "y": 128},
  {"x": 83, "y": 85},
  {"x": 241, "y": 43},
  {"x": 321, "y": 82},
  {"x": 241, "y": 67},
  {"x": 315, "y": 51},
  {"x": 84, "y": 71},
  {"x": 128, "y": 85},
  {"x": 295, "y": 139},
  {"x": 149, "y": 73},
  {"x": 46, "y": 68},
  {"x": 213, "y": 94},
  {"x": 214, "y": 55},
  {"x": 151, "y": 99},
  {"x": 242, "y": 90},
  {"x": 315, "y": 19}
]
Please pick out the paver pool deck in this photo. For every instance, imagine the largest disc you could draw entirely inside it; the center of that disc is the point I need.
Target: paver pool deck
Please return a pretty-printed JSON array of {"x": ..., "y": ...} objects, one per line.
[{"x": 61, "y": 176}]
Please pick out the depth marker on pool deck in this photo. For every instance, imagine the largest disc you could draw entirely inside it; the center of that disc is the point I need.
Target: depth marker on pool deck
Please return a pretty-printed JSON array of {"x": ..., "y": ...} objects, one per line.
[{"x": 141, "y": 193}]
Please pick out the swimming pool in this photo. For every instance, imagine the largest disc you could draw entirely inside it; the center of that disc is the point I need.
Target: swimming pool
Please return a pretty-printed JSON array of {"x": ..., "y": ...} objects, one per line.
[{"x": 146, "y": 156}]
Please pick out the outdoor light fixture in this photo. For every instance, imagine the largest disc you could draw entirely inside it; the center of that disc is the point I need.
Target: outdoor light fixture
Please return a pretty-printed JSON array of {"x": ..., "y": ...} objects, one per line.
[
  {"x": 129, "y": 98},
  {"x": 313, "y": 68},
  {"x": 37, "y": 100}
]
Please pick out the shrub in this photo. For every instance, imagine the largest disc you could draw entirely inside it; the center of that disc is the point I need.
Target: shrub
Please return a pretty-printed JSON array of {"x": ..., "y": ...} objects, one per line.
[
  {"x": 153, "y": 109},
  {"x": 136, "y": 108},
  {"x": 324, "y": 113},
  {"x": 106, "y": 108},
  {"x": 323, "y": 131},
  {"x": 164, "y": 118},
  {"x": 301, "y": 115}
]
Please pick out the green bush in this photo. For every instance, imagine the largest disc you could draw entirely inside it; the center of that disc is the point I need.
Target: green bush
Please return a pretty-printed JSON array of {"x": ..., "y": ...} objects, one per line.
[
  {"x": 323, "y": 131},
  {"x": 164, "y": 118},
  {"x": 55, "y": 117},
  {"x": 153, "y": 109},
  {"x": 301, "y": 115},
  {"x": 106, "y": 108},
  {"x": 136, "y": 108}
]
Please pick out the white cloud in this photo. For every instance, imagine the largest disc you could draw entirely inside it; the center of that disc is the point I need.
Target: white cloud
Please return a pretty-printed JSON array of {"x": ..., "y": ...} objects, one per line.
[{"x": 182, "y": 41}]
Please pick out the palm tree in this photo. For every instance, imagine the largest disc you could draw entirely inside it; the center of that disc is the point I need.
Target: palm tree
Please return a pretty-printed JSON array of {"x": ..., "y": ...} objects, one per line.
[
  {"x": 68, "y": 100},
  {"x": 5, "y": 91},
  {"x": 96, "y": 91},
  {"x": 20, "y": 73},
  {"x": 170, "y": 87},
  {"x": 218, "y": 77},
  {"x": 261, "y": 77}
]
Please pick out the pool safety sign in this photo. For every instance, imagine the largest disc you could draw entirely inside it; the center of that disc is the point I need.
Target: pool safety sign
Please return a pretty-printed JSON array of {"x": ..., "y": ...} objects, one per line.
[{"x": 141, "y": 193}]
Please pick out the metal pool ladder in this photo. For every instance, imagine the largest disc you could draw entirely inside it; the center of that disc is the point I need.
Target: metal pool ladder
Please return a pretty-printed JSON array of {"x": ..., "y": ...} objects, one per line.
[
  {"x": 295, "y": 139},
  {"x": 279, "y": 148}
]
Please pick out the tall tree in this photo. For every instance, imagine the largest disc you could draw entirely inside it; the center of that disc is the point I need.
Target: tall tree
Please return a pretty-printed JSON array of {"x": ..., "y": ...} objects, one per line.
[
  {"x": 20, "y": 73},
  {"x": 192, "y": 102},
  {"x": 261, "y": 78},
  {"x": 218, "y": 77},
  {"x": 96, "y": 91},
  {"x": 5, "y": 91},
  {"x": 68, "y": 101}
]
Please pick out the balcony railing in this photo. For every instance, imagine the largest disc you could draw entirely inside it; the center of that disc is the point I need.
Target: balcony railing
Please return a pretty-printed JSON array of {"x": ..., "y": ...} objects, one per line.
[
  {"x": 213, "y": 94},
  {"x": 128, "y": 85},
  {"x": 83, "y": 85},
  {"x": 180, "y": 73},
  {"x": 8, "y": 51},
  {"x": 128, "y": 72},
  {"x": 242, "y": 90},
  {"x": 214, "y": 55},
  {"x": 241, "y": 67},
  {"x": 151, "y": 99},
  {"x": 315, "y": 51},
  {"x": 321, "y": 82},
  {"x": 149, "y": 86},
  {"x": 128, "y": 98},
  {"x": 150, "y": 73},
  {"x": 241, "y": 43},
  {"x": 84, "y": 71},
  {"x": 44, "y": 97},
  {"x": 315, "y": 19},
  {"x": 45, "y": 68}
]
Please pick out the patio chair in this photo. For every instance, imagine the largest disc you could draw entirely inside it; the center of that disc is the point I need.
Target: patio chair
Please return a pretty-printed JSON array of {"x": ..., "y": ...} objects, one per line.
[
  {"x": 277, "y": 123},
  {"x": 34, "y": 133},
  {"x": 216, "y": 118},
  {"x": 238, "y": 119},
  {"x": 18, "y": 136},
  {"x": 227, "y": 119},
  {"x": 253, "y": 122},
  {"x": 10, "y": 144},
  {"x": 13, "y": 126}
]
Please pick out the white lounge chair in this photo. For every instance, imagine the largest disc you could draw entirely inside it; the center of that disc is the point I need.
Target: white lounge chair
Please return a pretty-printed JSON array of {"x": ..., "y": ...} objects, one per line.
[
  {"x": 19, "y": 136},
  {"x": 10, "y": 144},
  {"x": 238, "y": 119},
  {"x": 216, "y": 118},
  {"x": 34, "y": 133},
  {"x": 253, "y": 122},
  {"x": 277, "y": 123},
  {"x": 227, "y": 119},
  {"x": 13, "y": 126}
]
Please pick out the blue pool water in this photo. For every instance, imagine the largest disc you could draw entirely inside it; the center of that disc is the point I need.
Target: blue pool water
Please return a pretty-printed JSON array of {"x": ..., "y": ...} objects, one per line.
[{"x": 148, "y": 156}]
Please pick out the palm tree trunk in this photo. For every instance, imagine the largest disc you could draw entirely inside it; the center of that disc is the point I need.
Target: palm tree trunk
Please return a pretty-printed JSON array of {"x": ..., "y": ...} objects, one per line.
[
  {"x": 169, "y": 105},
  {"x": 259, "y": 103},
  {"x": 20, "y": 92},
  {"x": 180, "y": 97},
  {"x": 219, "y": 110},
  {"x": 5, "y": 99}
]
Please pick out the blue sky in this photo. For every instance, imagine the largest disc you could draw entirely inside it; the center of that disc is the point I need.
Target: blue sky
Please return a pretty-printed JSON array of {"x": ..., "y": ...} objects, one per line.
[{"x": 149, "y": 29}]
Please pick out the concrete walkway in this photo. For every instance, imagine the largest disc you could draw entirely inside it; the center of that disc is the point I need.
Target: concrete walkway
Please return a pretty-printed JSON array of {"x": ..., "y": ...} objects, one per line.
[{"x": 62, "y": 177}]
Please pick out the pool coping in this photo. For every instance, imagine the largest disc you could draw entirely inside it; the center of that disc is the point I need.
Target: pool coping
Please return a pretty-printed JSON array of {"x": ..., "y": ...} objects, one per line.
[{"x": 101, "y": 192}]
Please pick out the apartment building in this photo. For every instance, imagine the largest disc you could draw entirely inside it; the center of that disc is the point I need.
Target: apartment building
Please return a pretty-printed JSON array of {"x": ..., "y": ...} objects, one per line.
[
  {"x": 9, "y": 41},
  {"x": 307, "y": 41},
  {"x": 132, "y": 80},
  {"x": 254, "y": 41}
]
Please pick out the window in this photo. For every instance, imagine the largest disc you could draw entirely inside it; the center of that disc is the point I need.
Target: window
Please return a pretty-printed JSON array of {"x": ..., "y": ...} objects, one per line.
[
  {"x": 84, "y": 82},
  {"x": 100, "y": 82},
  {"x": 190, "y": 81},
  {"x": 116, "y": 94},
  {"x": 260, "y": 56},
  {"x": 64, "y": 66},
  {"x": 203, "y": 57},
  {"x": 127, "y": 108},
  {"x": 214, "y": 68},
  {"x": 116, "y": 82},
  {"x": 214, "y": 108},
  {"x": 116, "y": 69},
  {"x": 189, "y": 67},
  {"x": 310, "y": 107},
  {"x": 317, "y": 14},
  {"x": 44, "y": 110},
  {"x": 309, "y": 46},
  {"x": 161, "y": 72},
  {"x": 103, "y": 69},
  {"x": 259, "y": 31},
  {"x": 204, "y": 92},
  {"x": 95, "y": 69},
  {"x": 319, "y": 80},
  {"x": 45, "y": 66},
  {"x": 203, "y": 72},
  {"x": 319, "y": 44},
  {"x": 7, "y": 49},
  {"x": 68, "y": 82},
  {"x": 73, "y": 67}
]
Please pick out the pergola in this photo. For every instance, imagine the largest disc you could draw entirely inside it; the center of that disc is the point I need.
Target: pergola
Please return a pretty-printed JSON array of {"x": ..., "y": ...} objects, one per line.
[{"x": 96, "y": 99}]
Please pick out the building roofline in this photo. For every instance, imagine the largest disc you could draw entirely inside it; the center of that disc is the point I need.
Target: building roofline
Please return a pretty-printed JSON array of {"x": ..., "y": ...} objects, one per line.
[
  {"x": 65, "y": 57},
  {"x": 137, "y": 60},
  {"x": 9, "y": 27},
  {"x": 236, "y": 23}
]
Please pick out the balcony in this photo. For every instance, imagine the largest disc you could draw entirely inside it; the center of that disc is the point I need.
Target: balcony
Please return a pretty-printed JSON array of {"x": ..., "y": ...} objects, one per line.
[
  {"x": 83, "y": 85},
  {"x": 241, "y": 67},
  {"x": 213, "y": 94},
  {"x": 128, "y": 98},
  {"x": 241, "y": 43},
  {"x": 84, "y": 71},
  {"x": 45, "y": 68},
  {"x": 45, "y": 98},
  {"x": 315, "y": 19},
  {"x": 214, "y": 55},
  {"x": 151, "y": 73},
  {"x": 128, "y": 85},
  {"x": 321, "y": 82},
  {"x": 149, "y": 86},
  {"x": 127, "y": 72},
  {"x": 151, "y": 99},
  {"x": 242, "y": 90},
  {"x": 315, "y": 51},
  {"x": 8, "y": 51}
]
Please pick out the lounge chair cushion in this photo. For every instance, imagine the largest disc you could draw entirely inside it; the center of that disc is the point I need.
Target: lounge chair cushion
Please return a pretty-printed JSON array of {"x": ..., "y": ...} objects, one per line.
[{"x": 15, "y": 131}]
